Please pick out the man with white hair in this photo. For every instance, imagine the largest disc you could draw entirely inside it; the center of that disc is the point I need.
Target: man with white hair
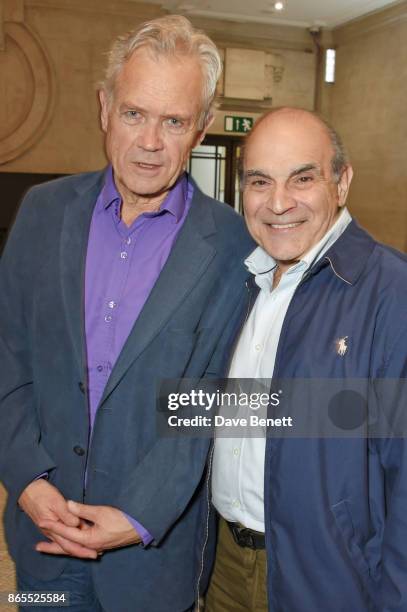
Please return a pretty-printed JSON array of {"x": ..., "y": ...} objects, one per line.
[{"x": 110, "y": 282}]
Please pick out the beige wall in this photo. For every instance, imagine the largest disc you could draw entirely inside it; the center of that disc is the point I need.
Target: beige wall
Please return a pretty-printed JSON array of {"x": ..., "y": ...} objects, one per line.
[
  {"x": 73, "y": 35},
  {"x": 368, "y": 107},
  {"x": 53, "y": 54}
]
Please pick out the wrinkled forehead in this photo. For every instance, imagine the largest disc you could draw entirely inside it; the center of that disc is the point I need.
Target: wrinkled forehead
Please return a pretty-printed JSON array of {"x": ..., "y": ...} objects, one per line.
[{"x": 174, "y": 79}]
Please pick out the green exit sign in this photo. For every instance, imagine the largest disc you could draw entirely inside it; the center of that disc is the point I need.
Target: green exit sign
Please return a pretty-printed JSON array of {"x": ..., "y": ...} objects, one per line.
[{"x": 238, "y": 124}]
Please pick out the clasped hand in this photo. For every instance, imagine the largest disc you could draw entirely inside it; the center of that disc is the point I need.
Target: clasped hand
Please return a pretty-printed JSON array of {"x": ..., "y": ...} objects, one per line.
[{"x": 78, "y": 530}]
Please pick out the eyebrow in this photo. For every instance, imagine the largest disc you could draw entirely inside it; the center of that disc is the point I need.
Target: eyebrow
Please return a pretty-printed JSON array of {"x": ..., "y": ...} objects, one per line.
[
  {"x": 294, "y": 172},
  {"x": 305, "y": 168},
  {"x": 129, "y": 106},
  {"x": 259, "y": 173}
]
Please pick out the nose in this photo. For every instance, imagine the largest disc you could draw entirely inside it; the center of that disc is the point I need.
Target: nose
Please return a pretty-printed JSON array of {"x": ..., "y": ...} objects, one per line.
[
  {"x": 149, "y": 136},
  {"x": 280, "y": 200}
]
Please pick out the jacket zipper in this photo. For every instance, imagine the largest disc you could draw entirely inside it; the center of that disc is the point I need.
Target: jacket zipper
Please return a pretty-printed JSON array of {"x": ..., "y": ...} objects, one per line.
[
  {"x": 208, "y": 509},
  {"x": 269, "y": 548},
  {"x": 208, "y": 501}
]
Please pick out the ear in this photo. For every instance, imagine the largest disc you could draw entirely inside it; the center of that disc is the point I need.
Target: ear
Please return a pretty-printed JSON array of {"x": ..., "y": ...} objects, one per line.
[
  {"x": 344, "y": 184},
  {"x": 104, "y": 110},
  {"x": 202, "y": 133}
]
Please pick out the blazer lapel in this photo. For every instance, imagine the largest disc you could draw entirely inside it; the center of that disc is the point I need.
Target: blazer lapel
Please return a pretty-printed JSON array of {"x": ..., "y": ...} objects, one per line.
[
  {"x": 186, "y": 263},
  {"x": 74, "y": 240}
]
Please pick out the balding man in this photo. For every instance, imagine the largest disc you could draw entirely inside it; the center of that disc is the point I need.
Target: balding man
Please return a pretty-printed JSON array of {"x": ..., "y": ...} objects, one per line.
[
  {"x": 110, "y": 282},
  {"x": 313, "y": 525}
]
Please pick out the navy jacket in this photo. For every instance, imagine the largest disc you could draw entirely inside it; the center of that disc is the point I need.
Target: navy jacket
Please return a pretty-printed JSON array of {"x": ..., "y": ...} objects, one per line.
[
  {"x": 336, "y": 509},
  {"x": 184, "y": 329}
]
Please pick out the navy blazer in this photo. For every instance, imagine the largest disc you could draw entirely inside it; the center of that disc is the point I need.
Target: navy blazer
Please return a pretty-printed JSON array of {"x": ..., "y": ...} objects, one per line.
[{"x": 184, "y": 329}]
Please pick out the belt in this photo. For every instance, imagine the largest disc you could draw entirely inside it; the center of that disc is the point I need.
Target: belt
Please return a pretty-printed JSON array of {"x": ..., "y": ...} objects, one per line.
[{"x": 247, "y": 538}]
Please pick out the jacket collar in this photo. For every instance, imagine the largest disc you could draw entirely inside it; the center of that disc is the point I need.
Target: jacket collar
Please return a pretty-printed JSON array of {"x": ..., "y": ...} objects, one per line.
[
  {"x": 348, "y": 256},
  {"x": 79, "y": 194}
]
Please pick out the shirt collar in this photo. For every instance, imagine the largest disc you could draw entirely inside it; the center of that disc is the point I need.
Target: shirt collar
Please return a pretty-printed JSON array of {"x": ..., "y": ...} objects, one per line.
[
  {"x": 261, "y": 263},
  {"x": 174, "y": 202}
]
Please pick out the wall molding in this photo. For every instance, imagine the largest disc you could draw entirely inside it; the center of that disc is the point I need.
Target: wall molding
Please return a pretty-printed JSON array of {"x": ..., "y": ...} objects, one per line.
[{"x": 40, "y": 94}]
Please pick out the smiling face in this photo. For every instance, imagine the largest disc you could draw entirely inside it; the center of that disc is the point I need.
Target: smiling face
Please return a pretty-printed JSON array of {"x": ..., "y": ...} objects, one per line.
[
  {"x": 290, "y": 197},
  {"x": 151, "y": 123}
]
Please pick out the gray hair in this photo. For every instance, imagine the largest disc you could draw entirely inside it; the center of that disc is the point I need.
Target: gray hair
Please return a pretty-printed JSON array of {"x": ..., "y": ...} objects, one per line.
[
  {"x": 340, "y": 157},
  {"x": 170, "y": 35}
]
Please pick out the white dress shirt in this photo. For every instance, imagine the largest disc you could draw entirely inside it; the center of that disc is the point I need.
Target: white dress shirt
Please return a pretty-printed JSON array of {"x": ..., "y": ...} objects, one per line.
[{"x": 238, "y": 463}]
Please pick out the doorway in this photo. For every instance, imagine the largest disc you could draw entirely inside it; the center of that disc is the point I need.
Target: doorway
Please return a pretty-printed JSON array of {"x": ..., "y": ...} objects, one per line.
[{"x": 214, "y": 165}]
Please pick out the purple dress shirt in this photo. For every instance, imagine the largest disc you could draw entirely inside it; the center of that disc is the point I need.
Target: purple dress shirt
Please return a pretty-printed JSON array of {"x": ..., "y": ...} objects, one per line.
[{"x": 122, "y": 266}]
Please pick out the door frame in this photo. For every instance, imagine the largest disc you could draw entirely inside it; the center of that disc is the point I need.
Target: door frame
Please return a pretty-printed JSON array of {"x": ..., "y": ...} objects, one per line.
[{"x": 230, "y": 143}]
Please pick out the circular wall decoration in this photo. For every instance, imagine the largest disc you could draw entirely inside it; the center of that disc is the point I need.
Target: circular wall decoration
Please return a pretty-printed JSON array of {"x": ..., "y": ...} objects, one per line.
[{"x": 27, "y": 91}]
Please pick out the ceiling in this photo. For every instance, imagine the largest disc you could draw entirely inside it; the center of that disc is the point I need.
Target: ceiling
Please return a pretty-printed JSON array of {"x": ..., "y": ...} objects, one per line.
[{"x": 302, "y": 13}]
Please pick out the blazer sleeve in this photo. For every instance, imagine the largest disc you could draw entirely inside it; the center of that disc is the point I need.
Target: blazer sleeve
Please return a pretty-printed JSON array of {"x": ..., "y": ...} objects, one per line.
[{"x": 22, "y": 456}]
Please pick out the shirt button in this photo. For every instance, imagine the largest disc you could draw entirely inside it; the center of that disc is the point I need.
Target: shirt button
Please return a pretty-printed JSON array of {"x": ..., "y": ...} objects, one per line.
[
  {"x": 100, "y": 368},
  {"x": 112, "y": 304},
  {"x": 79, "y": 450},
  {"x": 236, "y": 503},
  {"x": 108, "y": 318},
  {"x": 258, "y": 347},
  {"x": 123, "y": 255},
  {"x": 236, "y": 451}
]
